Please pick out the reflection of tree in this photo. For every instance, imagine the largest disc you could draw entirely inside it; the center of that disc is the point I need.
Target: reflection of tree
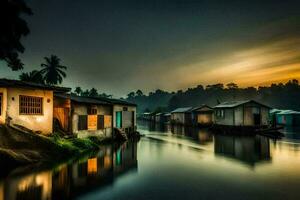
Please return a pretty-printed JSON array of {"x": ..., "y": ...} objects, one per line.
[{"x": 249, "y": 150}]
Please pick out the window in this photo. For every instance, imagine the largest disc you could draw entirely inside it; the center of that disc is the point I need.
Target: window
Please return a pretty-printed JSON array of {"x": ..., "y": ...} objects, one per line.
[
  {"x": 220, "y": 113},
  {"x": 92, "y": 110},
  {"x": 1, "y": 97},
  {"x": 30, "y": 105},
  {"x": 82, "y": 122},
  {"x": 100, "y": 123},
  {"x": 104, "y": 121}
]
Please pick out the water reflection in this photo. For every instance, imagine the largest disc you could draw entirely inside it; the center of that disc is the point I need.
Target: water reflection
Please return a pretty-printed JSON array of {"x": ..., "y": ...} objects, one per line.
[
  {"x": 70, "y": 180},
  {"x": 249, "y": 150}
]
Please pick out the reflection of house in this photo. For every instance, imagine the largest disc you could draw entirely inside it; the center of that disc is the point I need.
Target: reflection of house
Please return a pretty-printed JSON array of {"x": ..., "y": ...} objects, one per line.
[
  {"x": 182, "y": 116},
  {"x": 88, "y": 117},
  {"x": 125, "y": 158},
  {"x": 162, "y": 117},
  {"x": 29, "y": 105},
  {"x": 241, "y": 113},
  {"x": 287, "y": 117},
  {"x": 35, "y": 186},
  {"x": 202, "y": 115},
  {"x": 247, "y": 149}
]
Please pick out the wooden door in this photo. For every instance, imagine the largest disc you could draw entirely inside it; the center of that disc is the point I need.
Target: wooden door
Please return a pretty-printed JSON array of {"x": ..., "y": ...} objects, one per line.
[{"x": 62, "y": 115}]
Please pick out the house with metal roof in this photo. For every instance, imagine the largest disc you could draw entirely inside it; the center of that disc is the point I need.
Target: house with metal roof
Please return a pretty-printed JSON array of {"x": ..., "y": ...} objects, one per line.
[
  {"x": 288, "y": 117},
  {"x": 27, "y": 105},
  {"x": 124, "y": 114},
  {"x": 182, "y": 116},
  {"x": 202, "y": 115},
  {"x": 94, "y": 116},
  {"x": 241, "y": 113},
  {"x": 83, "y": 116}
]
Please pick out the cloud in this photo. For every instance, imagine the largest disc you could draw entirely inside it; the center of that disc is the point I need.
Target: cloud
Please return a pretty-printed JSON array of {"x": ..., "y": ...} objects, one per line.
[{"x": 276, "y": 61}]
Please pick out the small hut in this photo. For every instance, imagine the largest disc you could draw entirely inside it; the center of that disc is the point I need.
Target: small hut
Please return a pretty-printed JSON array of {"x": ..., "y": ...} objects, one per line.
[
  {"x": 182, "y": 116},
  {"x": 202, "y": 115},
  {"x": 242, "y": 113},
  {"x": 288, "y": 118}
]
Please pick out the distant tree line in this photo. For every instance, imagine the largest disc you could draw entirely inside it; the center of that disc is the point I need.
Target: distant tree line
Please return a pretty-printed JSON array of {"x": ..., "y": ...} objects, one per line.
[
  {"x": 155, "y": 101},
  {"x": 281, "y": 96},
  {"x": 90, "y": 93}
]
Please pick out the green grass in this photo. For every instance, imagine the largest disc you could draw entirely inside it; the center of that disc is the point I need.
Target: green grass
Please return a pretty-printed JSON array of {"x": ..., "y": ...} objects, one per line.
[{"x": 77, "y": 145}]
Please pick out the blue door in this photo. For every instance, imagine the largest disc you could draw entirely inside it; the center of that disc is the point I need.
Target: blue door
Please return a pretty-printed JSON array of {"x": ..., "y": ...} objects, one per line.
[{"x": 119, "y": 119}]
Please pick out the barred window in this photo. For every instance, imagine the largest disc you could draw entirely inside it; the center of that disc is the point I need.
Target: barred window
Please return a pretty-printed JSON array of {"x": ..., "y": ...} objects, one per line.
[
  {"x": 92, "y": 110},
  {"x": 1, "y": 95},
  {"x": 30, "y": 105}
]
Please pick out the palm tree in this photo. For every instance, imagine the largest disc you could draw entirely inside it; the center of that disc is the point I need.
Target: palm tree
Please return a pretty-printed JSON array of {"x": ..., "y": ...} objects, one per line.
[
  {"x": 33, "y": 76},
  {"x": 52, "y": 70},
  {"x": 93, "y": 92},
  {"x": 78, "y": 91}
]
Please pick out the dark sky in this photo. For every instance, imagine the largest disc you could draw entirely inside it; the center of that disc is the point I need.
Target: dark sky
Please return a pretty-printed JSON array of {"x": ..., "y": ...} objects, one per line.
[{"x": 118, "y": 46}]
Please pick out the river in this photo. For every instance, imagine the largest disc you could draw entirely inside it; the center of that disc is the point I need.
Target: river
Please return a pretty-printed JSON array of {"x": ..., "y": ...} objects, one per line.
[{"x": 170, "y": 163}]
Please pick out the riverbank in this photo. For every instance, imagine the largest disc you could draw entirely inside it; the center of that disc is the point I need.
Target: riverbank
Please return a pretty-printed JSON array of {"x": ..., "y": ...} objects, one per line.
[{"x": 19, "y": 148}]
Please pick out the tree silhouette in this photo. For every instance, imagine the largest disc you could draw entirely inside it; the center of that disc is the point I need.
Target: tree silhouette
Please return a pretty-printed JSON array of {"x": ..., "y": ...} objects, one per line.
[
  {"x": 78, "y": 91},
  {"x": 12, "y": 29},
  {"x": 232, "y": 86},
  {"x": 139, "y": 93},
  {"x": 93, "y": 92},
  {"x": 34, "y": 76},
  {"x": 281, "y": 96},
  {"x": 52, "y": 71}
]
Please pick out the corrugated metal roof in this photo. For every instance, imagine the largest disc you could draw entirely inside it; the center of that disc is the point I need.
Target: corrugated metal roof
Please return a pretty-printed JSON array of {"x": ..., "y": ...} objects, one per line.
[
  {"x": 288, "y": 112},
  {"x": 182, "y": 110},
  {"x": 115, "y": 101},
  {"x": 232, "y": 104},
  {"x": 202, "y": 106},
  {"x": 81, "y": 99},
  {"x": 273, "y": 111},
  {"x": 24, "y": 84}
]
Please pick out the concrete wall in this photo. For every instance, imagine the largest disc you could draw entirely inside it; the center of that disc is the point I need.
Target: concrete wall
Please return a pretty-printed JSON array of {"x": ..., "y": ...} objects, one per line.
[
  {"x": 118, "y": 108},
  {"x": 82, "y": 109},
  {"x": 40, "y": 123},
  {"x": 3, "y": 91}
]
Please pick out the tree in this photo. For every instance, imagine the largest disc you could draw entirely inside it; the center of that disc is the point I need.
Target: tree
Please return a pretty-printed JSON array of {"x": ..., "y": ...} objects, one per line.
[
  {"x": 78, "y": 91},
  {"x": 139, "y": 93},
  {"x": 93, "y": 92},
  {"x": 12, "y": 29},
  {"x": 52, "y": 70},
  {"x": 33, "y": 76},
  {"x": 85, "y": 93},
  {"x": 131, "y": 95},
  {"x": 232, "y": 86},
  {"x": 105, "y": 95}
]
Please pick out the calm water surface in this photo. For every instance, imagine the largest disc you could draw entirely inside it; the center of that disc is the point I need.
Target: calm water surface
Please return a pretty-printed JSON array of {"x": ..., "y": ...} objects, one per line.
[{"x": 171, "y": 163}]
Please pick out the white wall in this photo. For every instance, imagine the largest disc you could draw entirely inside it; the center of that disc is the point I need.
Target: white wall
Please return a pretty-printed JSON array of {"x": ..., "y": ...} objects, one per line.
[
  {"x": 117, "y": 108},
  {"x": 41, "y": 123},
  {"x": 4, "y": 105}
]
